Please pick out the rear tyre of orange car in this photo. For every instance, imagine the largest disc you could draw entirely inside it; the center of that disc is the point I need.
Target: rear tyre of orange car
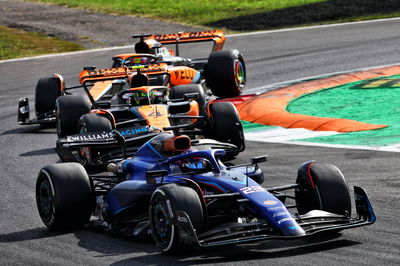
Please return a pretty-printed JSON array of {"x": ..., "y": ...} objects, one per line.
[
  {"x": 64, "y": 196},
  {"x": 323, "y": 187},
  {"x": 178, "y": 92},
  {"x": 226, "y": 125},
  {"x": 165, "y": 204},
  {"x": 225, "y": 73},
  {"x": 69, "y": 110},
  {"x": 89, "y": 123},
  {"x": 46, "y": 92}
]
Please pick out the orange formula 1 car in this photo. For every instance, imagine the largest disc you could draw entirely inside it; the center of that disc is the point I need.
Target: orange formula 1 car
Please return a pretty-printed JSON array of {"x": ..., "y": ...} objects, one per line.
[
  {"x": 92, "y": 132},
  {"x": 222, "y": 74}
]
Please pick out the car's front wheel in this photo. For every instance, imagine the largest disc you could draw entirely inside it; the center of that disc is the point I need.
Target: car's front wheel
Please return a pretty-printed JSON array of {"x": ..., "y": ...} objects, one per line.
[
  {"x": 64, "y": 196},
  {"x": 322, "y": 187},
  {"x": 165, "y": 204}
]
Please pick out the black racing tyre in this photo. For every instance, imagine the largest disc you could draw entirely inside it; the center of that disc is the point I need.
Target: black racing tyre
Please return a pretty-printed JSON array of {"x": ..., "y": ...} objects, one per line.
[
  {"x": 225, "y": 73},
  {"x": 46, "y": 92},
  {"x": 92, "y": 123},
  {"x": 164, "y": 230},
  {"x": 323, "y": 187},
  {"x": 64, "y": 196},
  {"x": 226, "y": 125},
  {"x": 69, "y": 110},
  {"x": 178, "y": 92}
]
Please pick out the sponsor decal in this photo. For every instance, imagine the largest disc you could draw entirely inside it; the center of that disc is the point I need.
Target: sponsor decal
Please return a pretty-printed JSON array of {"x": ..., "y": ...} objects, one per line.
[
  {"x": 185, "y": 35},
  {"x": 279, "y": 214},
  {"x": 270, "y": 202},
  {"x": 182, "y": 219},
  {"x": 292, "y": 227},
  {"x": 285, "y": 220},
  {"x": 186, "y": 73},
  {"x": 105, "y": 72},
  {"x": 95, "y": 136},
  {"x": 133, "y": 131},
  {"x": 276, "y": 208},
  {"x": 107, "y": 135},
  {"x": 252, "y": 189}
]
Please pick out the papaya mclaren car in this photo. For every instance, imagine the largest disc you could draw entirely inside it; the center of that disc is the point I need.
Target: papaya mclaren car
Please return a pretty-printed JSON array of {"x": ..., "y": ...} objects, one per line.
[
  {"x": 138, "y": 114},
  {"x": 223, "y": 73},
  {"x": 185, "y": 196}
]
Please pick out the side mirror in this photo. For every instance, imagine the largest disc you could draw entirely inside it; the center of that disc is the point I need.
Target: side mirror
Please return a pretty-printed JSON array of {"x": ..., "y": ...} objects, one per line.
[
  {"x": 23, "y": 110},
  {"x": 193, "y": 95},
  {"x": 259, "y": 159},
  {"x": 89, "y": 68}
]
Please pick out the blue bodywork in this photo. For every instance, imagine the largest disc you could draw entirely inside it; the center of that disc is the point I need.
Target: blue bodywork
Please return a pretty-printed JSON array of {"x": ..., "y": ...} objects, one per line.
[{"x": 134, "y": 194}]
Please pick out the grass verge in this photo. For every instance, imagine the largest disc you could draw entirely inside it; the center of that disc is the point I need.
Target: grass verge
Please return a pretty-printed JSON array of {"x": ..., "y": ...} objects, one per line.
[
  {"x": 243, "y": 15},
  {"x": 16, "y": 43}
]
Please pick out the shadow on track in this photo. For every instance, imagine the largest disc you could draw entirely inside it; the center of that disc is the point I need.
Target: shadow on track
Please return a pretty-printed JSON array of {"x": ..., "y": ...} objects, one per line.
[
  {"x": 30, "y": 234},
  {"x": 34, "y": 129},
  {"x": 110, "y": 246},
  {"x": 325, "y": 11},
  {"x": 38, "y": 152}
]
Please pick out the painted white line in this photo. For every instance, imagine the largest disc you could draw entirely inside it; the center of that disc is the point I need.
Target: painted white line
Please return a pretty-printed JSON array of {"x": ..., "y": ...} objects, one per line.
[
  {"x": 229, "y": 36},
  {"x": 278, "y": 134},
  {"x": 67, "y": 54},
  {"x": 312, "y": 27},
  {"x": 292, "y": 137},
  {"x": 394, "y": 148}
]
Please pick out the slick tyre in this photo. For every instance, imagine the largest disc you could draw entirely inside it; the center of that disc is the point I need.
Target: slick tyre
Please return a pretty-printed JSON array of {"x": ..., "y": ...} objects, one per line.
[
  {"x": 165, "y": 204},
  {"x": 64, "y": 196},
  {"x": 69, "y": 109},
  {"x": 89, "y": 123},
  {"x": 178, "y": 92},
  {"x": 323, "y": 187},
  {"x": 46, "y": 92},
  {"x": 226, "y": 73},
  {"x": 226, "y": 125}
]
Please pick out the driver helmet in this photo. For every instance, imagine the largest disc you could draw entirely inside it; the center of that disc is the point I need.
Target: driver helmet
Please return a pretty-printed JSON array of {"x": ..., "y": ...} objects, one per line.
[
  {"x": 192, "y": 163},
  {"x": 157, "y": 96},
  {"x": 139, "y": 97}
]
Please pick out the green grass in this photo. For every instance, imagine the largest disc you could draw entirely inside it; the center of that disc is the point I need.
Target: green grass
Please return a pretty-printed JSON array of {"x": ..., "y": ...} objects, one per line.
[
  {"x": 238, "y": 15},
  {"x": 17, "y": 43},
  {"x": 379, "y": 105}
]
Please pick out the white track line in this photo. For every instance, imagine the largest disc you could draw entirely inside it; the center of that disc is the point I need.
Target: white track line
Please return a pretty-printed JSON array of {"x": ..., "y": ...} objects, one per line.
[
  {"x": 313, "y": 27},
  {"x": 229, "y": 36}
]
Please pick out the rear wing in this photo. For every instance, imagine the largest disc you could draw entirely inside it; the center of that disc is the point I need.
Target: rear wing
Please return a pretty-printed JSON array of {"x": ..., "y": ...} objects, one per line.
[
  {"x": 120, "y": 72},
  {"x": 217, "y": 36}
]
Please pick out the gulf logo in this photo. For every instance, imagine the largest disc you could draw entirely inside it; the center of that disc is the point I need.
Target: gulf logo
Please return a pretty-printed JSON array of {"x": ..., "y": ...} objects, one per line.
[{"x": 270, "y": 202}]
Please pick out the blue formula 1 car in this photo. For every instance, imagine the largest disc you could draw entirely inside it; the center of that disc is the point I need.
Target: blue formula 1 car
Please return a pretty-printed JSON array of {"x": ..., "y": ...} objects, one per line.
[{"x": 184, "y": 195}]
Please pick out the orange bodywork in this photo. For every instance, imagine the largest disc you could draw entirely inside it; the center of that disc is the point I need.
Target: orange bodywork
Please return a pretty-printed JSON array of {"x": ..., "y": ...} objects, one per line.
[
  {"x": 156, "y": 115},
  {"x": 182, "y": 75},
  {"x": 98, "y": 88},
  {"x": 217, "y": 36}
]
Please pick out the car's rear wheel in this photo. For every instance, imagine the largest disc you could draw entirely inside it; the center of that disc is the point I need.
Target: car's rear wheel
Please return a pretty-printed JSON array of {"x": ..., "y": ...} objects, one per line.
[
  {"x": 89, "y": 123},
  {"x": 323, "y": 187},
  {"x": 178, "y": 92},
  {"x": 165, "y": 204},
  {"x": 64, "y": 196},
  {"x": 226, "y": 73},
  {"x": 46, "y": 92},
  {"x": 226, "y": 125},
  {"x": 69, "y": 110}
]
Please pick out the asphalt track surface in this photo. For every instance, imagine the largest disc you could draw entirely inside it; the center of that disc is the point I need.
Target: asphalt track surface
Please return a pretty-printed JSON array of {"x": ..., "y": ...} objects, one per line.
[{"x": 271, "y": 57}]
